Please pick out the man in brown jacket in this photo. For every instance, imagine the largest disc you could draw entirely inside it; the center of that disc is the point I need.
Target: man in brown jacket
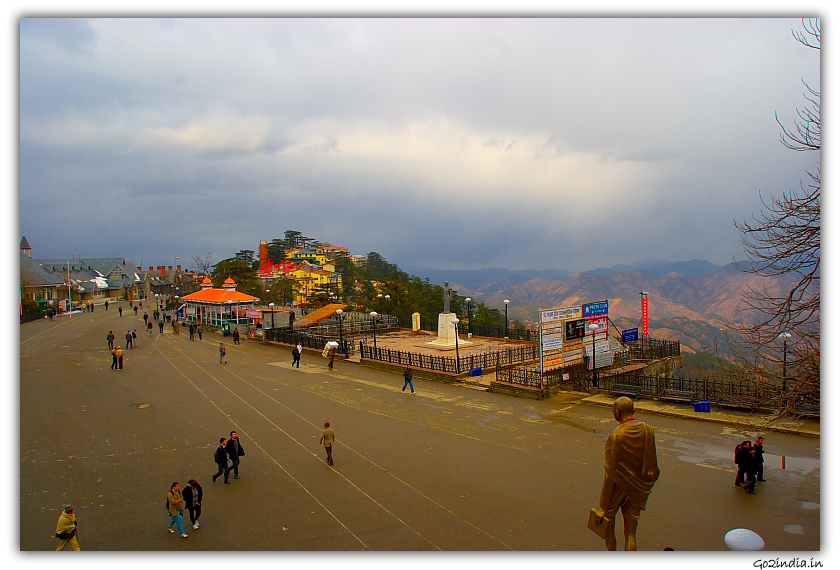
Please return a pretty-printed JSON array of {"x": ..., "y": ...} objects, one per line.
[
  {"x": 327, "y": 438},
  {"x": 631, "y": 472}
]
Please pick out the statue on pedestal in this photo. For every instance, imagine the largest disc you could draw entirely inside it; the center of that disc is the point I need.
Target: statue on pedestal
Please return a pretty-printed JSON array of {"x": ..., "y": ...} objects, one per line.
[{"x": 631, "y": 472}]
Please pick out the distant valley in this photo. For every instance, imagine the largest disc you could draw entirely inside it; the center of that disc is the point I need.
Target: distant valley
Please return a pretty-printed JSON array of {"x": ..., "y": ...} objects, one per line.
[{"x": 690, "y": 301}]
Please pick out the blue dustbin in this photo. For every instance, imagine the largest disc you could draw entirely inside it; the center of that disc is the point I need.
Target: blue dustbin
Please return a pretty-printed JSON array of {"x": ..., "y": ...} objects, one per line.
[
  {"x": 703, "y": 406},
  {"x": 475, "y": 372}
]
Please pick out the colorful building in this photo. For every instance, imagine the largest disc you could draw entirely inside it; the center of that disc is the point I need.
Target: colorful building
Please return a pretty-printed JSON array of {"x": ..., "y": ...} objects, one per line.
[{"x": 219, "y": 307}]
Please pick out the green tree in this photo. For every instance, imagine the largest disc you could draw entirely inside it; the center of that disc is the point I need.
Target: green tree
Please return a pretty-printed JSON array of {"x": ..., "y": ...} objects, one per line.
[{"x": 241, "y": 272}]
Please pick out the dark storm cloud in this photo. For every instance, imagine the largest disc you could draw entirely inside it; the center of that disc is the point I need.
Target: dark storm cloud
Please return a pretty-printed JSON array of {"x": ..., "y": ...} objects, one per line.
[{"x": 567, "y": 143}]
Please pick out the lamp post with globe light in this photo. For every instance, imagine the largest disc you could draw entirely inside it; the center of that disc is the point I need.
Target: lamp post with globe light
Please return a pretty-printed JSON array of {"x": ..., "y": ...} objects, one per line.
[{"x": 455, "y": 322}]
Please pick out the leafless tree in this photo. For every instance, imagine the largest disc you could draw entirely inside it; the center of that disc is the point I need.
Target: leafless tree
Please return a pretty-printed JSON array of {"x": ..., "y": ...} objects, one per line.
[
  {"x": 784, "y": 240},
  {"x": 202, "y": 266}
]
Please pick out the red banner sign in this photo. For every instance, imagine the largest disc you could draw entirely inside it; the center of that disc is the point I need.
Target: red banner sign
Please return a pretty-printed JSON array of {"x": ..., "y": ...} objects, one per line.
[{"x": 644, "y": 315}]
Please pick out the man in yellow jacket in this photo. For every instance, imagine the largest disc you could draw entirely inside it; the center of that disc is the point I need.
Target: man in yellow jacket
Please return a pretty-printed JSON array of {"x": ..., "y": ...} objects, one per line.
[
  {"x": 327, "y": 439},
  {"x": 65, "y": 530}
]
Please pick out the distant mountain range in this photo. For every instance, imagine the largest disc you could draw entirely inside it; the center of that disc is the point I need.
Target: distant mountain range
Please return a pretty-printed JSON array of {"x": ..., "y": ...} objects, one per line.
[{"x": 690, "y": 301}]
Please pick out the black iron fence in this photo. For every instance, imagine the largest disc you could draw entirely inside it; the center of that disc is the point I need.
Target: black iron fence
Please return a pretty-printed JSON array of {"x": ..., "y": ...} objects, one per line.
[
  {"x": 646, "y": 350},
  {"x": 451, "y": 364},
  {"x": 292, "y": 337},
  {"x": 712, "y": 390},
  {"x": 575, "y": 377}
]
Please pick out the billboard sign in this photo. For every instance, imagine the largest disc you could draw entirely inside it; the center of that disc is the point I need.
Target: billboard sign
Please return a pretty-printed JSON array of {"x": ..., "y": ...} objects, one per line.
[
  {"x": 575, "y": 330},
  {"x": 595, "y": 310},
  {"x": 560, "y": 314},
  {"x": 629, "y": 335},
  {"x": 645, "y": 315}
]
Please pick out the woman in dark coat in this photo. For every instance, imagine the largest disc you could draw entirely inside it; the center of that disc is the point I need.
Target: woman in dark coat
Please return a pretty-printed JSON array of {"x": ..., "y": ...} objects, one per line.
[{"x": 193, "y": 495}]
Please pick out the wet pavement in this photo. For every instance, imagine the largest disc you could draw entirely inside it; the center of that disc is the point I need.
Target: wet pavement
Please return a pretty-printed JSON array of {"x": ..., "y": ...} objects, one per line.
[{"x": 446, "y": 469}]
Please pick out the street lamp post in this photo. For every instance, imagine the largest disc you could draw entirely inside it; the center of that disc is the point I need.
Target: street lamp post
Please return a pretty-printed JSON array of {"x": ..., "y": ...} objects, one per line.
[
  {"x": 230, "y": 313},
  {"x": 469, "y": 317},
  {"x": 379, "y": 297},
  {"x": 455, "y": 322},
  {"x": 271, "y": 306},
  {"x": 784, "y": 337},
  {"x": 594, "y": 328},
  {"x": 388, "y": 302},
  {"x": 507, "y": 301},
  {"x": 373, "y": 315},
  {"x": 340, "y": 313}
]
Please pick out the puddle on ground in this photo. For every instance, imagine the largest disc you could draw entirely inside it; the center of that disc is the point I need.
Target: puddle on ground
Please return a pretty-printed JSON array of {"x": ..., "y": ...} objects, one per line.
[
  {"x": 794, "y": 529},
  {"x": 570, "y": 423},
  {"x": 810, "y": 506},
  {"x": 720, "y": 456}
]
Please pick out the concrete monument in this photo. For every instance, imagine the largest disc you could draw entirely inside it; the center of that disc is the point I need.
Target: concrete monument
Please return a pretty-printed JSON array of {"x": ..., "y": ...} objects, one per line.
[{"x": 446, "y": 330}]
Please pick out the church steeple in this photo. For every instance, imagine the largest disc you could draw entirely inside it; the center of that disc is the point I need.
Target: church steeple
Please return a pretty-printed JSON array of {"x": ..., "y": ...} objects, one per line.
[{"x": 25, "y": 247}]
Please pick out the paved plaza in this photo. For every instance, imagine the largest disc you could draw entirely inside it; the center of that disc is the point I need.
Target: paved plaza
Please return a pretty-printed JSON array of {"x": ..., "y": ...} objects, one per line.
[{"x": 450, "y": 468}]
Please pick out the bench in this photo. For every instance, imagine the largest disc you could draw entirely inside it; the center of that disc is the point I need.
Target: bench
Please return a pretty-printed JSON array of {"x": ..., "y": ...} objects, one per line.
[
  {"x": 625, "y": 390},
  {"x": 808, "y": 410},
  {"x": 729, "y": 403},
  {"x": 683, "y": 396}
]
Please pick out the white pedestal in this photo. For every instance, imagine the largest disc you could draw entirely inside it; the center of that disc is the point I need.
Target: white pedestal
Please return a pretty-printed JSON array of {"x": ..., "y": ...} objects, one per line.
[{"x": 446, "y": 333}]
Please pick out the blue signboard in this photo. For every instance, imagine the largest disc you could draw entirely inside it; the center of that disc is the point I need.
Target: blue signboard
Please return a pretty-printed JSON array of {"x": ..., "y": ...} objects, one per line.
[
  {"x": 593, "y": 310},
  {"x": 629, "y": 335}
]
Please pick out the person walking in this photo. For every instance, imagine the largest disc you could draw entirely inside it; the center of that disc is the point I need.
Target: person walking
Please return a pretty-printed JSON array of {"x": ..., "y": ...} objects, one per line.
[
  {"x": 193, "y": 494},
  {"x": 145, "y": 317},
  {"x": 221, "y": 459},
  {"x": 327, "y": 439},
  {"x": 114, "y": 359},
  {"x": 200, "y": 330},
  {"x": 120, "y": 354},
  {"x": 236, "y": 335},
  {"x": 235, "y": 451},
  {"x": 160, "y": 326},
  {"x": 135, "y": 311},
  {"x": 67, "y": 530},
  {"x": 192, "y": 332},
  {"x": 106, "y": 305},
  {"x": 299, "y": 348},
  {"x": 134, "y": 338},
  {"x": 407, "y": 376},
  {"x": 149, "y": 327},
  {"x": 128, "y": 338},
  {"x": 739, "y": 460},
  {"x": 295, "y": 357},
  {"x": 175, "y": 506},
  {"x": 222, "y": 353},
  {"x": 120, "y": 310},
  {"x": 177, "y": 326},
  {"x": 750, "y": 466},
  {"x": 759, "y": 458},
  {"x": 110, "y": 339}
]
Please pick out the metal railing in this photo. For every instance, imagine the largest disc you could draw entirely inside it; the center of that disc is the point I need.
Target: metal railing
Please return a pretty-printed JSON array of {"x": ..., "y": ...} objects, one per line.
[
  {"x": 646, "y": 350},
  {"x": 450, "y": 364}
]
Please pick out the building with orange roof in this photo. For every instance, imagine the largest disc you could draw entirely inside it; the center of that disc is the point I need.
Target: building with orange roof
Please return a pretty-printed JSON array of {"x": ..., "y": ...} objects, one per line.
[{"x": 218, "y": 307}]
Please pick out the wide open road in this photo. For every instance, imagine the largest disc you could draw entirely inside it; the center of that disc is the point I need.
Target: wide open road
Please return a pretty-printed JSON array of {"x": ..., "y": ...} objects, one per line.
[{"x": 449, "y": 468}]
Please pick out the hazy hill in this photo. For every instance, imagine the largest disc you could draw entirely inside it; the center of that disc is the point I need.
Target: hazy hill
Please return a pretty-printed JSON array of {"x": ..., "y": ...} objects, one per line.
[{"x": 691, "y": 308}]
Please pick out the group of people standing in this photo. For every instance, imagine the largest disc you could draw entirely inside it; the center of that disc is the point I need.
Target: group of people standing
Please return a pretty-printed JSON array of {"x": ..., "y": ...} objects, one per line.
[{"x": 750, "y": 460}]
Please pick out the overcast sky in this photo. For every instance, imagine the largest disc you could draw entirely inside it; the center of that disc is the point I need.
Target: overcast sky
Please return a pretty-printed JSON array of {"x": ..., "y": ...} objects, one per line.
[{"x": 448, "y": 143}]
